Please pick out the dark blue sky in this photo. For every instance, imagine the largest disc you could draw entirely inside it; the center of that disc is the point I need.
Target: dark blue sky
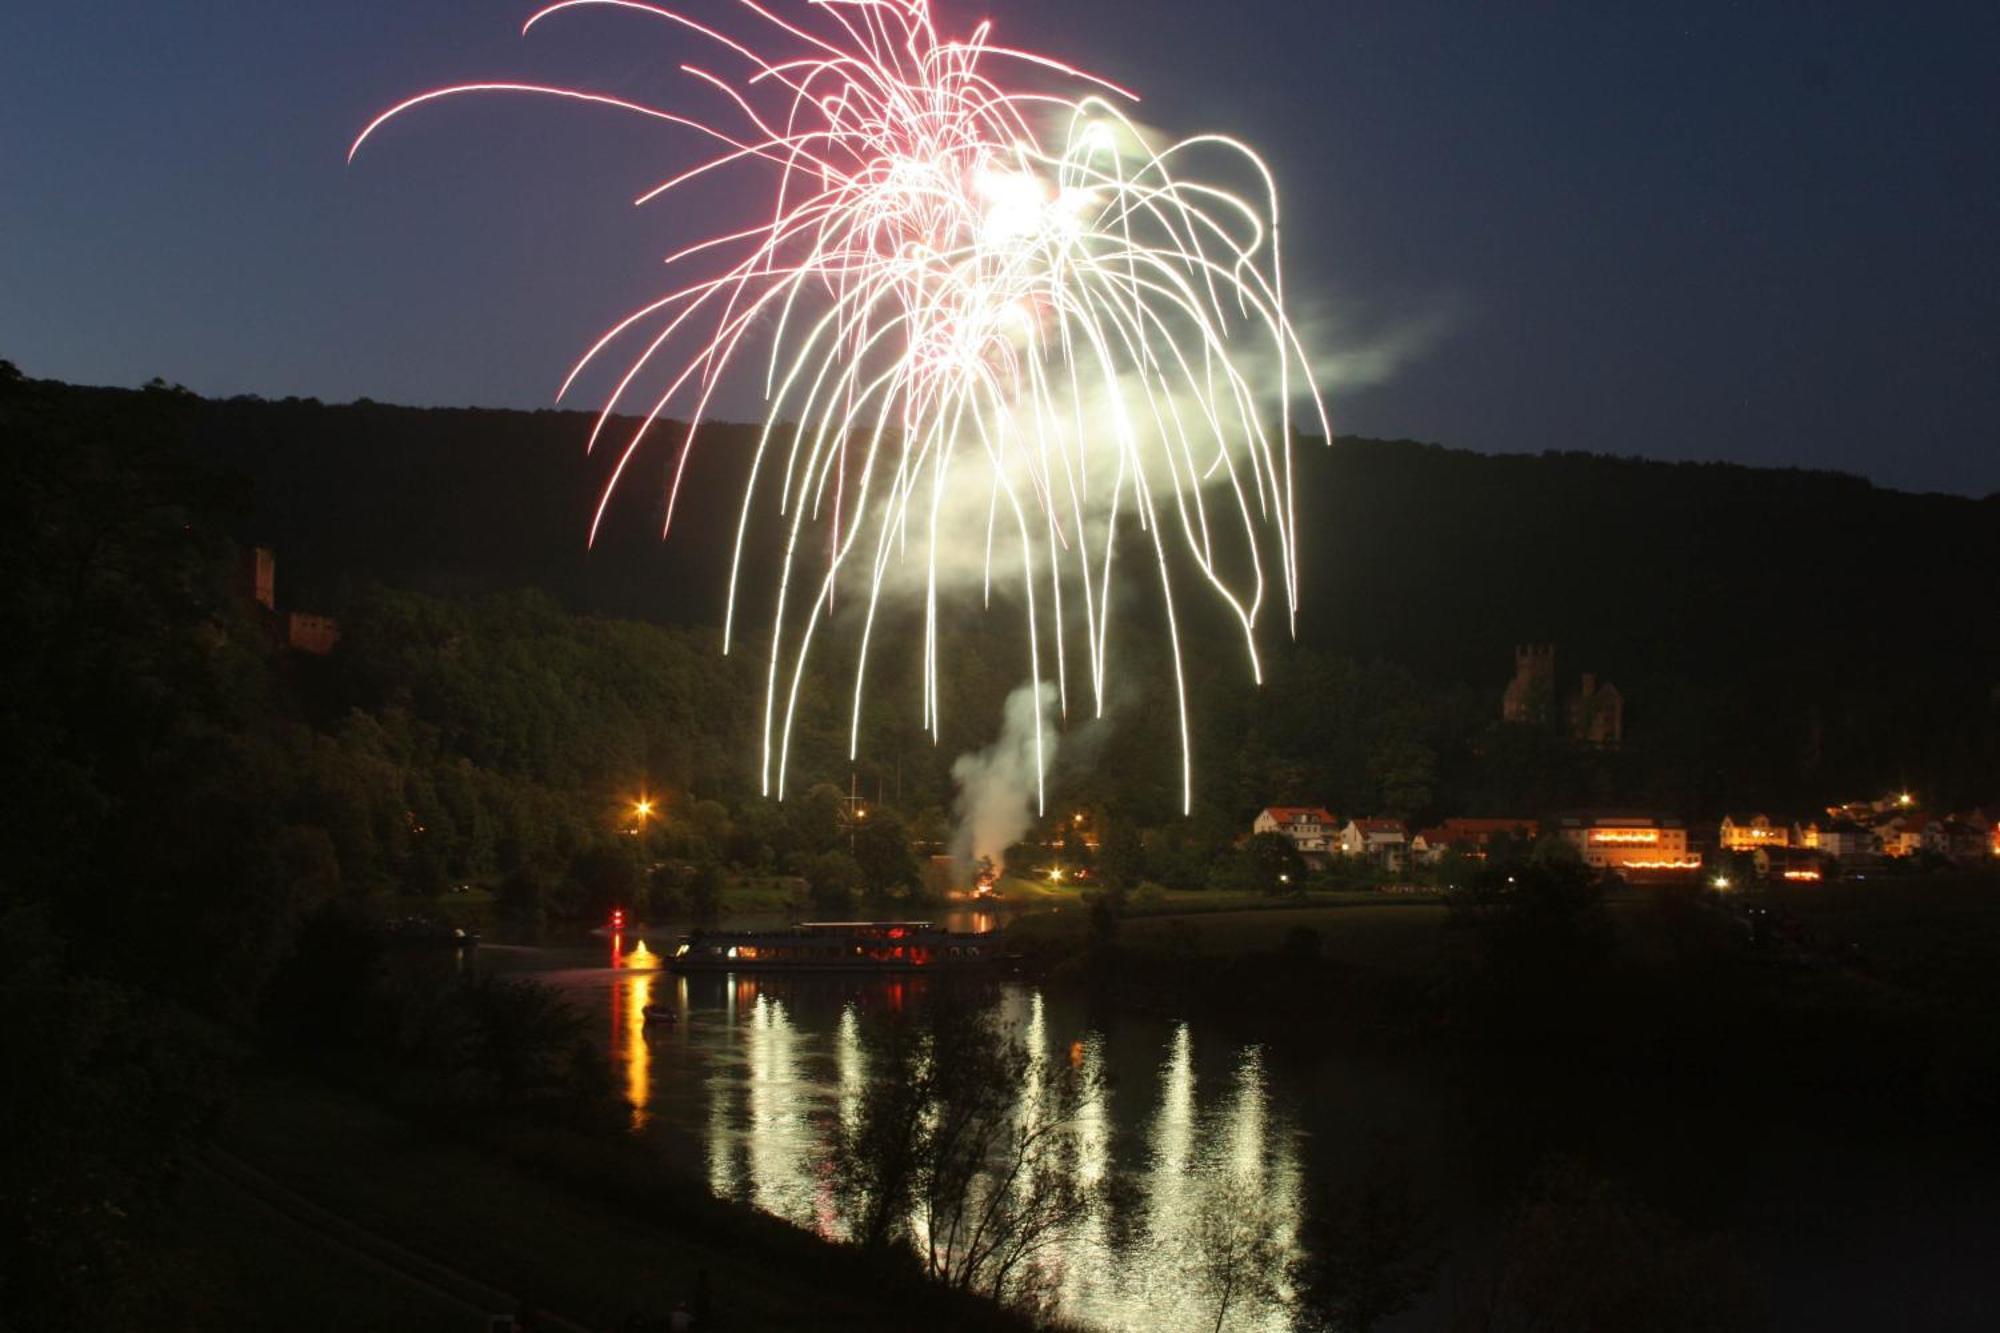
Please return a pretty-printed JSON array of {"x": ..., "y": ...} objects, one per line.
[{"x": 1760, "y": 232}]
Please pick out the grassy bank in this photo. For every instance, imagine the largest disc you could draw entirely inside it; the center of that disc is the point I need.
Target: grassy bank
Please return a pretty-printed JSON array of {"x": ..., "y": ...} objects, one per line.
[
  {"x": 1398, "y": 936},
  {"x": 595, "y": 1229},
  {"x": 1934, "y": 935}
]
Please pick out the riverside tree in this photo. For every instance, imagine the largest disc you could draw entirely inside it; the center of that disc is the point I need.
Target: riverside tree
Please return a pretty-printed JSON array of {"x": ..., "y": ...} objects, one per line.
[{"x": 964, "y": 1147}]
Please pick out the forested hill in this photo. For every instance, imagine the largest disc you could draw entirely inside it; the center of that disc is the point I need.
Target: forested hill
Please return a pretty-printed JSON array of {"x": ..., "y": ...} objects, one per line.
[
  {"x": 1437, "y": 559},
  {"x": 1440, "y": 558}
]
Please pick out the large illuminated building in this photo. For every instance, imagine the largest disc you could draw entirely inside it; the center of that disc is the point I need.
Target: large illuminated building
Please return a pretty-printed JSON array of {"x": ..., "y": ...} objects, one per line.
[
  {"x": 1755, "y": 833},
  {"x": 1631, "y": 844}
]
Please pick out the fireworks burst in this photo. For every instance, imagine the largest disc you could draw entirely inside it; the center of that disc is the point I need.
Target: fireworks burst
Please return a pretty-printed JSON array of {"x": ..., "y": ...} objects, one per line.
[{"x": 987, "y": 318}]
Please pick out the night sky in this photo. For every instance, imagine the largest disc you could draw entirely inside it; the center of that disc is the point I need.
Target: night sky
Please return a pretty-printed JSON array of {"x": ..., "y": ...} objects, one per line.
[{"x": 1757, "y": 232}]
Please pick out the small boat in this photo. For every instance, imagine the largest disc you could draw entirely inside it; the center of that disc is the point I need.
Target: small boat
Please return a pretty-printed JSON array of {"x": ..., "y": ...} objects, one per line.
[
  {"x": 661, "y": 1013},
  {"x": 836, "y": 946}
]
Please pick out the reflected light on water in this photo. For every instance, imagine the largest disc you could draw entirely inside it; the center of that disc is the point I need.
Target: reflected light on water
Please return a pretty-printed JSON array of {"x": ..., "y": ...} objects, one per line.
[
  {"x": 630, "y": 995},
  {"x": 780, "y": 1136},
  {"x": 774, "y": 1092},
  {"x": 638, "y": 1055},
  {"x": 1144, "y": 1279},
  {"x": 1170, "y": 1195},
  {"x": 850, "y": 1066},
  {"x": 1087, "y": 1255}
]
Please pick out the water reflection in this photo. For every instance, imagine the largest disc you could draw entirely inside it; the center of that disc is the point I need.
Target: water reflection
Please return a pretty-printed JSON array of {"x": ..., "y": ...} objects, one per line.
[
  {"x": 850, "y": 1068},
  {"x": 631, "y": 996},
  {"x": 776, "y": 1087},
  {"x": 1087, "y": 1257},
  {"x": 780, "y": 1136}
]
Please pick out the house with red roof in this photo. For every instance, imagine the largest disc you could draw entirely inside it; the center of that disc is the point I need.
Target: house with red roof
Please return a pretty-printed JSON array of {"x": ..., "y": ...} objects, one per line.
[
  {"x": 1469, "y": 836},
  {"x": 1384, "y": 841},
  {"x": 1311, "y": 828},
  {"x": 1902, "y": 834}
]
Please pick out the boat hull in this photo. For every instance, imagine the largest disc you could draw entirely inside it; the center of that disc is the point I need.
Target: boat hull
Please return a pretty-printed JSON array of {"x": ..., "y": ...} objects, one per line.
[{"x": 844, "y": 947}]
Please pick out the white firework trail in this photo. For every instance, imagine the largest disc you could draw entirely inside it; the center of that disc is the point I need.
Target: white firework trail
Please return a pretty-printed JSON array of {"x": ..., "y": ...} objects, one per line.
[{"x": 966, "y": 297}]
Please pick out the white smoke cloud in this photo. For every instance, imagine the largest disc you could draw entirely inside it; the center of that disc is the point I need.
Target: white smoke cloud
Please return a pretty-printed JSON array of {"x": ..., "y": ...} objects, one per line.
[
  {"x": 997, "y": 785},
  {"x": 1360, "y": 349}
]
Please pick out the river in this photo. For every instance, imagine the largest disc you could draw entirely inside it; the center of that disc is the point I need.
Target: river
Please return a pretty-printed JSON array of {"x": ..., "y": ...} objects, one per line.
[{"x": 743, "y": 1088}]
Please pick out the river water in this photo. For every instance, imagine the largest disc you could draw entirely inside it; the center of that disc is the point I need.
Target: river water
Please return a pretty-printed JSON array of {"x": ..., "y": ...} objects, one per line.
[{"x": 742, "y": 1090}]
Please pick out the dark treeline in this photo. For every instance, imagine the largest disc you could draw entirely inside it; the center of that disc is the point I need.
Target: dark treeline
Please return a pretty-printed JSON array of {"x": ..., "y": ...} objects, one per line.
[{"x": 1782, "y": 638}]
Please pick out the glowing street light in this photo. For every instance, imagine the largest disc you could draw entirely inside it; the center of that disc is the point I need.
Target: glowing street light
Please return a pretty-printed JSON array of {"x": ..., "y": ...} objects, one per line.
[
  {"x": 1055, "y": 874},
  {"x": 1720, "y": 881},
  {"x": 642, "y": 809}
]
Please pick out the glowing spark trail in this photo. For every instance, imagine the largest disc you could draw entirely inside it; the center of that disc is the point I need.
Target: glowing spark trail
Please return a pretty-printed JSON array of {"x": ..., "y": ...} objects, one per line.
[{"x": 988, "y": 318}]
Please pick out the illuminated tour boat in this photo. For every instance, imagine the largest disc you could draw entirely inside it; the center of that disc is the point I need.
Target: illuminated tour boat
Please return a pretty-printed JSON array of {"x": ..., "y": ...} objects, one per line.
[{"x": 835, "y": 946}]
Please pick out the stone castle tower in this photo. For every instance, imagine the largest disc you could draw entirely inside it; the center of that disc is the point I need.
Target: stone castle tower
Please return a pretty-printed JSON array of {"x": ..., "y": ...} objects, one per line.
[
  {"x": 1531, "y": 695},
  {"x": 1597, "y": 714},
  {"x": 1594, "y": 715}
]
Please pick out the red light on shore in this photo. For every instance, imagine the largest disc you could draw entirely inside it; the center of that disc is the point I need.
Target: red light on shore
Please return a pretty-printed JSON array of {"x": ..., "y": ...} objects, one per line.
[{"x": 618, "y": 918}]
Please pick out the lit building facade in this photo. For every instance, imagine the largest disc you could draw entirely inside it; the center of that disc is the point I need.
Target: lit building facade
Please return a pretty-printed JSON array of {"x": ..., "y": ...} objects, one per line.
[
  {"x": 1311, "y": 829},
  {"x": 1383, "y": 841},
  {"x": 1757, "y": 832},
  {"x": 1627, "y": 843}
]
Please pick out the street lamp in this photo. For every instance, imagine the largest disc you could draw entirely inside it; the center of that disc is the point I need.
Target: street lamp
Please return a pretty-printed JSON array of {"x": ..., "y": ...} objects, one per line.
[{"x": 641, "y": 810}]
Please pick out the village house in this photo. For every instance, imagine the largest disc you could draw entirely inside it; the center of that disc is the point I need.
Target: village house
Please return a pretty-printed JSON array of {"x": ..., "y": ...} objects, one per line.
[
  {"x": 1311, "y": 829},
  {"x": 1963, "y": 839},
  {"x": 1468, "y": 837},
  {"x": 1844, "y": 838},
  {"x": 1902, "y": 834},
  {"x": 1384, "y": 841}
]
